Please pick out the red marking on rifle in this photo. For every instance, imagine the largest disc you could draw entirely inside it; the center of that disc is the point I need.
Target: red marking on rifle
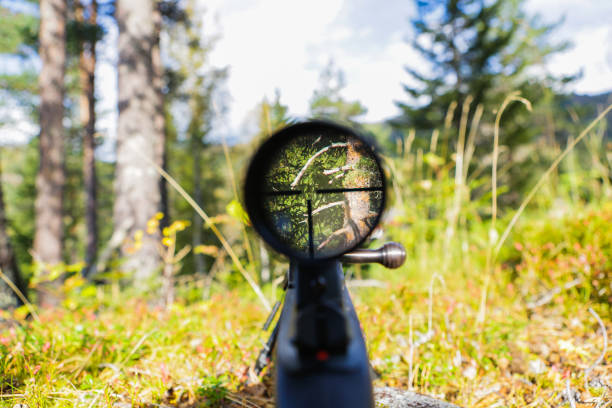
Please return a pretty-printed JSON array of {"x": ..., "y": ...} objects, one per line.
[{"x": 322, "y": 355}]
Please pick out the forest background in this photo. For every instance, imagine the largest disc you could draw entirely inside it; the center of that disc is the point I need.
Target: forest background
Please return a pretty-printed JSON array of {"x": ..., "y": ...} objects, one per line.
[{"x": 116, "y": 289}]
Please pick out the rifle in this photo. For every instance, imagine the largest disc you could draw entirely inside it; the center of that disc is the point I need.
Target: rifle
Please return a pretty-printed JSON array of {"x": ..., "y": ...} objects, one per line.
[{"x": 315, "y": 191}]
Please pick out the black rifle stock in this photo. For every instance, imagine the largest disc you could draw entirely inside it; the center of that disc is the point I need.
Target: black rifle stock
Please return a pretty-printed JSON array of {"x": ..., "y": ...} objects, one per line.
[{"x": 321, "y": 358}]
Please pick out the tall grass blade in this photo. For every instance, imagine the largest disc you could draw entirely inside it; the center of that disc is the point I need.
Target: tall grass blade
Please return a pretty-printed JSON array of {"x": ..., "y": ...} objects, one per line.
[
  {"x": 540, "y": 182},
  {"x": 213, "y": 227}
]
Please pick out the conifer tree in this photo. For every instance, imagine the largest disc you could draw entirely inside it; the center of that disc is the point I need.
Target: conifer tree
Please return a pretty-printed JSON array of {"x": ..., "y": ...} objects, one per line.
[
  {"x": 326, "y": 101},
  {"x": 480, "y": 49}
]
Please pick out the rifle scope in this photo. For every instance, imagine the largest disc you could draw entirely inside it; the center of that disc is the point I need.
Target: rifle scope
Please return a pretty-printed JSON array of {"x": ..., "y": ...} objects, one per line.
[{"x": 315, "y": 191}]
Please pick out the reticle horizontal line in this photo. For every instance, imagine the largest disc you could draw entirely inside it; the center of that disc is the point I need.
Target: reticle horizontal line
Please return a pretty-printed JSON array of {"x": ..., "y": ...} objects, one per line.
[
  {"x": 348, "y": 190},
  {"x": 283, "y": 193}
]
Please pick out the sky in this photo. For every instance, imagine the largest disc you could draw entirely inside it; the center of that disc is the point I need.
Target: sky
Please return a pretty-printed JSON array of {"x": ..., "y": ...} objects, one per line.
[{"x": 285, "y": 44}]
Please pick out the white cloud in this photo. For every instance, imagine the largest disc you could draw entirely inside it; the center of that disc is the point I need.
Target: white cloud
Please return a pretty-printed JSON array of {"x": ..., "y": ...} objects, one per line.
[
  {"x": 586, "y": 24},
  {"x": 266, "y": 47}
]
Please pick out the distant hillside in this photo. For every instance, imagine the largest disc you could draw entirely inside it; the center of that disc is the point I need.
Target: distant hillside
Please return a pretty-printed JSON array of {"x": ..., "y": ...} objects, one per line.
[
  {"x": 603, "y": 99},
  {"x": 597, "y": 103}
]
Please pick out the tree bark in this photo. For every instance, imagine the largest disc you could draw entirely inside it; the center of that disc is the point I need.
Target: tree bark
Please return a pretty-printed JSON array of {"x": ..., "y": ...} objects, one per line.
[
  {"x": 87, "y": 66},
  {"x": 137, "y": 190},
  {"x": 196, "y": 153},
  {"x": 160, "y": 118},
  {"x": 358, "y": 204},
  {"x": 50, "y": 180},
  {"x": 8, "y": 263}
]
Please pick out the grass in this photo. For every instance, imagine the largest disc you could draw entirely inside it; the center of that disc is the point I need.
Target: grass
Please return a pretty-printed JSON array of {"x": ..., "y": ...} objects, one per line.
[
  {"x": 471, "y": 318},
  {"x": 110, "y": 350}
]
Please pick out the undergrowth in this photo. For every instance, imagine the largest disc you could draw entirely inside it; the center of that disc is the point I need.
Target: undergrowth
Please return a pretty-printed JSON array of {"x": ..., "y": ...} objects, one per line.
[{"x": 538, "y": 339}]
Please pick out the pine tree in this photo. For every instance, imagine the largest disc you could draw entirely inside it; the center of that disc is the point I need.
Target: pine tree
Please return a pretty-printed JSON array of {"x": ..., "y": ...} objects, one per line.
[
  {"x": 87, "y": 113},
  {"x": 50, "y": 181},
  {"x": 137, "y": 189},
  {"x": 191, "y": 84},
  {"x": 8, "y": 262},
  {"x": 327, "y": 103},
  {"x": 476, "y": 49}
]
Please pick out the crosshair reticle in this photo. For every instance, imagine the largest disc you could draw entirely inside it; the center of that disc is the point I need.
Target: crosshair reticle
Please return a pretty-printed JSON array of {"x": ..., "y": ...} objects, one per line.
[{"x": 315, "y": 190}]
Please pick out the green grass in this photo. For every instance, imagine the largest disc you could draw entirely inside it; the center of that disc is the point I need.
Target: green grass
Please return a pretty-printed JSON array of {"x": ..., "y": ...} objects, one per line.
[
  {"x": 472, "y": 317},
  {"x": 107, "y": 349}
]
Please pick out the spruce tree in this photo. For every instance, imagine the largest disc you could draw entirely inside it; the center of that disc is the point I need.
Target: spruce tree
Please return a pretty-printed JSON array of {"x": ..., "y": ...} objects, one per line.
[{"x": 481, "y": 49}]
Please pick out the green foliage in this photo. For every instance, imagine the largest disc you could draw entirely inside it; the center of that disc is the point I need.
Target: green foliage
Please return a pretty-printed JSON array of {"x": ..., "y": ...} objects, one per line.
[
  {"x": 272, "y": 117},
  {"x": 18, "y": 32},
  {"x": 476, "y": 53},
  {"x": 472, "y": 48},
  {"x": 213, "y": 391},
  {"x": 19, "y": 165},
  {"x": 106, "y": 345},
  {"x": 327, "y": 103},
  {"x": 572, "y": 252}
]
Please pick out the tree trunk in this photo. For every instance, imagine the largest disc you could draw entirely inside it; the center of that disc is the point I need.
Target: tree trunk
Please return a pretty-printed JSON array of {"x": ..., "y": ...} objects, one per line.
[
  {"x": 87, "y": 66},
  {"x": 50, "y": 179},
  {"x": 160, "y": 118},
  {"x": 358, "y": 204},
  {"x": 8, "y": 263},
  {"x": 137, "y": 192},
  {"x": 197, "y": 197}
]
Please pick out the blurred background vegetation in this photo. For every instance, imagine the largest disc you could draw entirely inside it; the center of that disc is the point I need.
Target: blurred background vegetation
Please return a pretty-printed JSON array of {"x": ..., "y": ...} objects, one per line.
[{"x": 478, "y": 196}]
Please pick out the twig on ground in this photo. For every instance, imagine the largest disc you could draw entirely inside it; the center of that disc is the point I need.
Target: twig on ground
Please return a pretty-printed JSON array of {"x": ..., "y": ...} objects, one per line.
[
  {"x": 548, "y": 296},
  {"x": 137, "y": 346},
  {"x": 569, "y": 394},
  {"x": 93, "y": 349},
  {"x": 604, "y": 334},
  {"x": 243, "y": 401}
]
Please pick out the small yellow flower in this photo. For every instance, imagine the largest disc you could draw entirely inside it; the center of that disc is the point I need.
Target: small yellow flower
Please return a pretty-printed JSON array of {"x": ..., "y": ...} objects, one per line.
[
  {"x": 179, "y": 225},
  {"x": 158, "y": 216},
  {"x": 152, "y": 226},
  {"x": 167, "y": 241}
]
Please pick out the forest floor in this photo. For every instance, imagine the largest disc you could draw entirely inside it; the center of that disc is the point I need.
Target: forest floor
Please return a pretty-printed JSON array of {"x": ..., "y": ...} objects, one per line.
[{"x": 525, "y": 348}]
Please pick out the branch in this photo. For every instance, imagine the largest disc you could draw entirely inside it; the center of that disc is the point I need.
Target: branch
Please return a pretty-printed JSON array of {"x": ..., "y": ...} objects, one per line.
[
  {"x": 548, "y": 296},
  {"x": 587, "y": 372},
  {"x": 343, "y": 230},
  {"x": 312, "y": 158},
  {"x": 337, "y": 169},
  {"x": 326, "y": 206}
]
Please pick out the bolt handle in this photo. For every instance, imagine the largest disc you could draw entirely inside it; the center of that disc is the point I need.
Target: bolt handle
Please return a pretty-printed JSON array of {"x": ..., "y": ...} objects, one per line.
[{"x": 391, "y": 255}]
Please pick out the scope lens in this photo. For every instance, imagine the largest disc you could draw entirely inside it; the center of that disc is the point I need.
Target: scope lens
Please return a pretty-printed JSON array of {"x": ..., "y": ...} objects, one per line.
[{"x": 315, "y": 190}]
